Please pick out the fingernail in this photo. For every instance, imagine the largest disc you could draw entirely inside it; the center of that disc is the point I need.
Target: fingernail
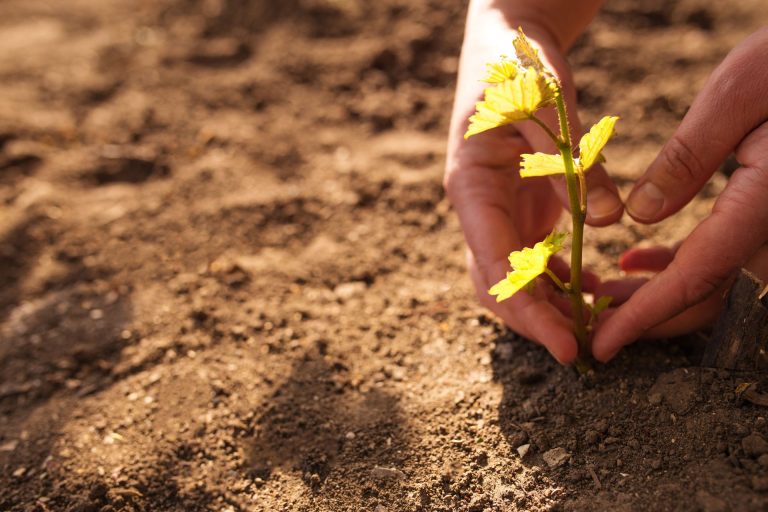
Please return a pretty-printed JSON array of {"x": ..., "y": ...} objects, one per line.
[
  {"x": 646, "y": 202},
  {"x": 602, "y": 203}
]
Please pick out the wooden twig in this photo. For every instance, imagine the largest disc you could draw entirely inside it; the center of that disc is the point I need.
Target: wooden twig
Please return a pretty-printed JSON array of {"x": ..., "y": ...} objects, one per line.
[{"x": 740, "y": 335}]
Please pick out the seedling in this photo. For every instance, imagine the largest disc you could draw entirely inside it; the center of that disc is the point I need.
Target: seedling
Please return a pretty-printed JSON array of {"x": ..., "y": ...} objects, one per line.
[{"x": 519, "y": 88}]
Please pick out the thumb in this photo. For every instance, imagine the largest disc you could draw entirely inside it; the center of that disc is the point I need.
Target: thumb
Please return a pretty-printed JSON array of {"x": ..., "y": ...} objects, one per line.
[{"x": 733, "y": 102}]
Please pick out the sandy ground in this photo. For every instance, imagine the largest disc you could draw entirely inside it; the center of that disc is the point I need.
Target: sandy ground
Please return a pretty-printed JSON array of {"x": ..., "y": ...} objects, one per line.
[{"x": 229, "y": 279}]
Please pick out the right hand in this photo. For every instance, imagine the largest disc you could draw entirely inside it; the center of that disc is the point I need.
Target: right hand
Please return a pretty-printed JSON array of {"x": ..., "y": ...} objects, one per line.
[{"x": 730, "y": 114}]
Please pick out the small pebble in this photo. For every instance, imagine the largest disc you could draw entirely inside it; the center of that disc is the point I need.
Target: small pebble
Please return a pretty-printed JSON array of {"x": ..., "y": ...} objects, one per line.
[{"x": 556, "y": 457}]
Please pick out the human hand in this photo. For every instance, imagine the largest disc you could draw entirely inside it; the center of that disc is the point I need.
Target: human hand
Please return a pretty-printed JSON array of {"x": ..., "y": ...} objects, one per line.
[
  {"x": 500, "y": 213},
  {"x": 729, "y": 115}
]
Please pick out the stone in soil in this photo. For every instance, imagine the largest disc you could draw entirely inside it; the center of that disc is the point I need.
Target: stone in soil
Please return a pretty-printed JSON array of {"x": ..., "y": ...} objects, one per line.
[{"x": 556, "y": 457}]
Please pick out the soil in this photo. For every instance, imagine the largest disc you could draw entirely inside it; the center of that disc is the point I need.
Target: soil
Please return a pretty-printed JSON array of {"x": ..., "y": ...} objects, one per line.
[{"x": 230, "y": 280}]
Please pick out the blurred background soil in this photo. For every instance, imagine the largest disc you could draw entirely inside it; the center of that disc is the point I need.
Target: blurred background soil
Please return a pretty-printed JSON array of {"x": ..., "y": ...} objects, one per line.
[{"x": 229, "y": 279}]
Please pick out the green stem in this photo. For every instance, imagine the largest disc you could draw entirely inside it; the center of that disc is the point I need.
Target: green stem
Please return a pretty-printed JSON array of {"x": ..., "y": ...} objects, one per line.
[
  {"x": 577, "y": 216},
  {"x": 556, "y": 280},
  {"x": 546, "y": 128}
]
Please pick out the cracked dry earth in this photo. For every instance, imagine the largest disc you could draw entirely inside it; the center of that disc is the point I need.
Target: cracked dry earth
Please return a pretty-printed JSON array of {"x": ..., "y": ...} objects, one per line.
[{"x": 229, "y": 279}]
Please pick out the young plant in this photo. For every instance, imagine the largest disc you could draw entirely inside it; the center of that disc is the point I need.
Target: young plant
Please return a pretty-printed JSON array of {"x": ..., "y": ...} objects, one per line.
[{"x": 519, "y": 88}]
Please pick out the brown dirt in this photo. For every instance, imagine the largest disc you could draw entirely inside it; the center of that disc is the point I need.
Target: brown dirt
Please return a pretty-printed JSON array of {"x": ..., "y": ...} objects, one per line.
[{"x": 229, "y": 279}]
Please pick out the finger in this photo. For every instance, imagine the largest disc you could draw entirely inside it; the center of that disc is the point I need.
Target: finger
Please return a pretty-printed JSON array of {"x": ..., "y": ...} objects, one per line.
[
  {"x": 736, "y": 229},
  {"x": 531, "y": 316},
  {"x": 758, "y": 264},
  {"x": 649, "y": 259},
  {"x": 692, "y": 319},
  {"x": 733, "y": 102},
  {"x": 620, "y": 289}
]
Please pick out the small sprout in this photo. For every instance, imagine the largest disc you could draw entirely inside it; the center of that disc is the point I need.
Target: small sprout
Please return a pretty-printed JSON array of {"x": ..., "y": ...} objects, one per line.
[{"x": 518, "y": 89}]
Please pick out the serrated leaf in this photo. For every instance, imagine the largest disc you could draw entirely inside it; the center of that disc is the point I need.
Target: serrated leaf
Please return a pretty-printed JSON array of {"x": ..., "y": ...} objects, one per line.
[
  {"x": 592, "y": 143},
  {"x": 527, "y": 54},
  {"x": 505, "y": 69},
  {"x": 601, "y": 304},
  {"x": 527, "y": 264},
  {"x": 511, "y": 101},
  {"x": 541, "y": 164}
]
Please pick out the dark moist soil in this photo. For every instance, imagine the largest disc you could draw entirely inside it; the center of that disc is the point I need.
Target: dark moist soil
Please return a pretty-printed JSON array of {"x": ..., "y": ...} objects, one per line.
[{"x": 229, "y": 279}]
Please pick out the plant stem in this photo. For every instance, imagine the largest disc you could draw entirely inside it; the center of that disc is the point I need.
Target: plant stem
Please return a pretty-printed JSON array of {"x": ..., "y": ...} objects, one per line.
[
  {"x": 556, "y": 280},
  {"x": 578, "y": 214},
  {"x": 544, "y": 127}
]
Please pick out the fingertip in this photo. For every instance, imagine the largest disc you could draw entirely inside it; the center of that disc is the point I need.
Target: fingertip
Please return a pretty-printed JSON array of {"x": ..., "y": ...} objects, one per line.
[
  {"x": 549, "y": 327},
  {"x": 646, "y": 203},
  {"x": 605, "y": 356},
  {"x": 654, "y": 259},
  {"x": 604, "y": 346},
  {"x": 603, "y": 352},
  {"x": 564, "y": 353},
  {"x": 604, "y": 206}
]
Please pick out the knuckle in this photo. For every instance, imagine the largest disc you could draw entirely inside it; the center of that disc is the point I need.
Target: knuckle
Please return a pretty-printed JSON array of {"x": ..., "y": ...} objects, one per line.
[
  {"x": 702, "y": 284},
  {"x": 746, "y": 191},
  {"x": 681, "y": 163}
]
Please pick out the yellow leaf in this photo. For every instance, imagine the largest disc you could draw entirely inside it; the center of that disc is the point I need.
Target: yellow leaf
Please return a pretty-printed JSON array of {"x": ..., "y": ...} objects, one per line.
[
  {"x": 527, "y": 264},
  {"x": 601, "y": 304},
  {"x": 540, "y": 164},
  {"x": 485, "y": 118},
  {"x": 592, "y": 143},
  {"x": 505, "y": 69},
  {"x": 526, "y": 53},
  {"x": 510, "y": 101}
]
